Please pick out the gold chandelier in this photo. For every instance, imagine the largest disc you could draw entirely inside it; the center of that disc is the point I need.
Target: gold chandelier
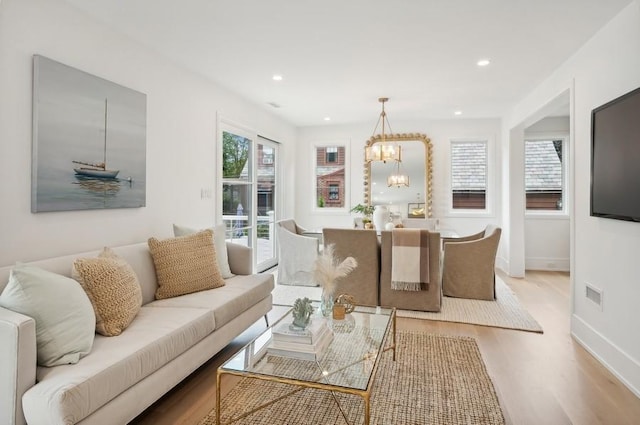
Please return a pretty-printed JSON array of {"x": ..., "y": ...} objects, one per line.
[
  {"x": 398, "y": 179},
  {"x": 382, "y": 151}
]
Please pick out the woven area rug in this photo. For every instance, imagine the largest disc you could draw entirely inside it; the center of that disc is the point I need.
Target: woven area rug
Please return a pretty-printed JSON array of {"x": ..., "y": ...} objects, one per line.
[
  {"x": 506, "y": 312},
  {"x": 435, "y": 379}
]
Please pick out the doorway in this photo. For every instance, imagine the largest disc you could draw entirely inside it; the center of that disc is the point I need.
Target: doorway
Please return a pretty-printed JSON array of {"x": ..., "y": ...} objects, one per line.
[
  {"x": 249, "y": 191},
  {"x": 542, "y": 240}
]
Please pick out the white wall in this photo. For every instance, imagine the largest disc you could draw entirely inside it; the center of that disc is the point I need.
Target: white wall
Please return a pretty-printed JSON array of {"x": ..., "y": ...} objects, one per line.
[
  {"x": 355, "y": 136},
  {"x": 546, "y": 236},
  {"x": 605, "y": 251},
  {"x": 182, "y": 111}
]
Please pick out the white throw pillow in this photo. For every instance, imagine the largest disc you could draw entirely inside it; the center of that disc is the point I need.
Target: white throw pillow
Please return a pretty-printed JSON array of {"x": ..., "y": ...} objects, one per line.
[
  {"x": 65, "y": 321},
  {"x": 219, "y": 243}
]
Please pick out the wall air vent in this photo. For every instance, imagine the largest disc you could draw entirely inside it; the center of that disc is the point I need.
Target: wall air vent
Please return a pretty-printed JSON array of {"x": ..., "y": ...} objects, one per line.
[{"x": 594, "y": 294}]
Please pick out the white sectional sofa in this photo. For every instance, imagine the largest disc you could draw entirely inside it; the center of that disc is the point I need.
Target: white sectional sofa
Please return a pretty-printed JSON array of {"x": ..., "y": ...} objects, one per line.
[{"x": 123, "y": 375}]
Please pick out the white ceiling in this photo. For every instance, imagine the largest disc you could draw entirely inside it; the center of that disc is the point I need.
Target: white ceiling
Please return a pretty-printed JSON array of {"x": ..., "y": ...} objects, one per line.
[{"x": 338, "y": 56}]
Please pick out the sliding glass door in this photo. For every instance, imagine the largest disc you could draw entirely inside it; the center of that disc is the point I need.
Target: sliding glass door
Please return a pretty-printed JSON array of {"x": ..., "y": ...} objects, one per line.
[
  {"x": 267, "y": 197},
  {"x": 249, "y": 192}
]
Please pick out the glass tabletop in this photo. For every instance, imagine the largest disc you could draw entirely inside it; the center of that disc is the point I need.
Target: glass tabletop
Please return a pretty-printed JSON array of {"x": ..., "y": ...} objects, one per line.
[{"x": 346, "y": 358}]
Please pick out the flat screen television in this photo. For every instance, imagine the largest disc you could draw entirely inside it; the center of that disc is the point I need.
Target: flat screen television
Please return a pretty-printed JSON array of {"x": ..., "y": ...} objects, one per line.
[{"x": 615, "y": 158}]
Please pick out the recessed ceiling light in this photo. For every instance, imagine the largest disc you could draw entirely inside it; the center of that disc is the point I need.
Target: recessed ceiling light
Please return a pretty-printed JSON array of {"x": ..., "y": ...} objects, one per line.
[
  {"x": 484, "y": 62},
  {"x": 457, "y": 113},
  {"x": 327, "y": 118},
  {"x": 277, "y": 77}
]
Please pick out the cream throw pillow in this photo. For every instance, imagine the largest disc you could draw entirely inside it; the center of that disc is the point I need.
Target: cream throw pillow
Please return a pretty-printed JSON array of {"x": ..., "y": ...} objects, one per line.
[
  {"x": 185, "y": 264},
  {"x": 113, "y": 289},
  {"x": 65, "y": 323},
  {"x": 218, "y": 241}
]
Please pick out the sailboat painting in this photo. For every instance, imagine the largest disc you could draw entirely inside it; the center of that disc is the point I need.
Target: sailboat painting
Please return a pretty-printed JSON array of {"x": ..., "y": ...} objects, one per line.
[
  {"x": 100, "y": 171},
  {"x": 89, "y": 141}
]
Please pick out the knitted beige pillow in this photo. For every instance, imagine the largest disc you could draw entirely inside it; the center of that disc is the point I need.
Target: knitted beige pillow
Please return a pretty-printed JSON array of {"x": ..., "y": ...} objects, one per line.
[
  {"x": 113, "y": 289},
  {"x": 185, "y": 264}
]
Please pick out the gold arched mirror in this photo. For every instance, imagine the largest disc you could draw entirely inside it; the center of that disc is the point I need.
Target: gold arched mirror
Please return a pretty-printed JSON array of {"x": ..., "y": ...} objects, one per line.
[{"x": 413, "y": 201}]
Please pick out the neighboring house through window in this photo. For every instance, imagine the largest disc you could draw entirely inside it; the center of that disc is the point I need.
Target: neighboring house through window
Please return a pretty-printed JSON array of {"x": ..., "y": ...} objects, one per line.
[
  {"x": 469, "y": 175},
  {"x": 330, "y": 176},
  {"x": 544, "y": 174}
]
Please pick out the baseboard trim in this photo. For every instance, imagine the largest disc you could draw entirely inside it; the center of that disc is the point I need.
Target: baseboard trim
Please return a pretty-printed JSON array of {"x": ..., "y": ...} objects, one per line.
[
  {"x": 550, "y": 264},
  {"x": 618, "y": 362}
]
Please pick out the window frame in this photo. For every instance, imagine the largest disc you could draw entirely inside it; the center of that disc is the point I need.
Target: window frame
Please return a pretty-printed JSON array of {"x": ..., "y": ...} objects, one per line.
[
  {"x": 345, "y": 190},
  {"x": 490, "y": 177},
  {"x": 564, "y": 212}
]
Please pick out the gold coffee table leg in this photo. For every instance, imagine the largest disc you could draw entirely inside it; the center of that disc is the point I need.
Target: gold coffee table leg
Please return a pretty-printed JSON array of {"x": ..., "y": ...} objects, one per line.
[
  {"x": 394, "y": 335},
  {"x": 367, "y": 413},
  {"x": 218, "y": 380}
]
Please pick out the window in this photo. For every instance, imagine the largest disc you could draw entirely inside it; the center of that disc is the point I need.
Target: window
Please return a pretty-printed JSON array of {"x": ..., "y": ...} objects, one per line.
[
  {"x": 331, "y": 154},
  {"x": 237, "y": 186},
  {"x": 544, "y": 174},
  {"x": 330, "y": 176},
  {"x": 249, "y": 191},
  {"x": 267, "y": 156},
  {"x": 469, "y": 175},
  {"x": 334, "y": 191}
]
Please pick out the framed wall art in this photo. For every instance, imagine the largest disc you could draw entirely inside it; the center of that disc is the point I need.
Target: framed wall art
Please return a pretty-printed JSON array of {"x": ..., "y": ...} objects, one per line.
[
  {"x": 89, "y": 141},
  {"x": 415, "y": 210}
]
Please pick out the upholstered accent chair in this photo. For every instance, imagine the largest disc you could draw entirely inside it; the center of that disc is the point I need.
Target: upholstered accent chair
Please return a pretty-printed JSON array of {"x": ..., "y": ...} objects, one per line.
[
  {"x": 297, "y": 254},
  {"x": 362, "y": 245},
  {"x": 468, "y": 268},
  {"x": 428, "y": 299}
]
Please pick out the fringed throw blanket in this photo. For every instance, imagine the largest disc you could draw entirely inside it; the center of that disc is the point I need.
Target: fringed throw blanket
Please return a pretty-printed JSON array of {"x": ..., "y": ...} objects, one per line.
[{"x": 409, "y": 259}]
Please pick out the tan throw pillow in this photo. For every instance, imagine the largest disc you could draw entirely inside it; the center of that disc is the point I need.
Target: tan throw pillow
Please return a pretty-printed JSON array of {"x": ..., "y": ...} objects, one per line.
[
  {"x": 185, "y": 264},
  {"x": 219, "y": 243},
  {"x": 113, "y": 289}
]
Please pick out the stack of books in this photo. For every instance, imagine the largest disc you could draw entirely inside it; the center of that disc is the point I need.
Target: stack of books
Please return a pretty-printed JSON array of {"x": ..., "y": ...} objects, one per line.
[{"x": 308, "y": 344}]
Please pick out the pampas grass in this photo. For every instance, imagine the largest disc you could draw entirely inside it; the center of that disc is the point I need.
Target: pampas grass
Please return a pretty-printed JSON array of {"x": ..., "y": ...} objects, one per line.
[{"x": 328, "y": 269}]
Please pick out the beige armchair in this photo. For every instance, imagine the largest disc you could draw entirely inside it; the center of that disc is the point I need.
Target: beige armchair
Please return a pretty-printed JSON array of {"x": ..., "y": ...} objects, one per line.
[
  {"x": 468, "y": 268},
  {"x": 428, "y": 299},
  {"x": 362, "y": 245},
  {"x": 297, "y": 254}
]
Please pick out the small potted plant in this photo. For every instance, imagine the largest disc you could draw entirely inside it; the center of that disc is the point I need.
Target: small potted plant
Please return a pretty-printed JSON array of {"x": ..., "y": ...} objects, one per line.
[{"x": 366, "y": 211}]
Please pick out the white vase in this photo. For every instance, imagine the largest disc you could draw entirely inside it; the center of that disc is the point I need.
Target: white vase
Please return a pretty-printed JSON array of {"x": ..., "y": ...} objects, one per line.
[{"x": 380, "y": 217}]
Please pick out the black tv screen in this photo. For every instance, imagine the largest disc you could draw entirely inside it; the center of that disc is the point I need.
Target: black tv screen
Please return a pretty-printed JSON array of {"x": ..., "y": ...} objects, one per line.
[{"x": 615, "y": 158}]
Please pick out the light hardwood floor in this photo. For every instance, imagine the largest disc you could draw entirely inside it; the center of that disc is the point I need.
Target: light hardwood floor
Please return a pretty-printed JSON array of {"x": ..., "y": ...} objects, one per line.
[{"x": 540, "y": 378}]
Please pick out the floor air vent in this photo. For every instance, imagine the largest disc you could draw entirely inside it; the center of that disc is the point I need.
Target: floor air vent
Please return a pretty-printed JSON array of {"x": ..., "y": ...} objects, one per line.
[{"x": 594, "y": 294}]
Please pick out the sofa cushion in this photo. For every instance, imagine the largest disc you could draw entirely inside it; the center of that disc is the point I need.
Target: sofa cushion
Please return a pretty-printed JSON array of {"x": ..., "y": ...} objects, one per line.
[
  {"x": 65, "y": 322},
  {"x": 113, "y": 289},
  {"x": 219, "y": 242},
  {"x": 68, "y": 394},
  {"x": 227, "y": 302},
  {"x": 185, "y": 264}
]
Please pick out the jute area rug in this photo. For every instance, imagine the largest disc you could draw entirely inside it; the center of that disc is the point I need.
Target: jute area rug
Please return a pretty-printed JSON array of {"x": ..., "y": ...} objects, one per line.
[
  {"x": 435, "y": 380},
  {"x": 506, "y": 312}
]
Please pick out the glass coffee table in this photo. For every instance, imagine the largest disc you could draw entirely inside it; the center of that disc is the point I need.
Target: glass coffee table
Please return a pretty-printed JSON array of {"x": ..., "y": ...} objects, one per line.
[{"x": 348, "y": 364}]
